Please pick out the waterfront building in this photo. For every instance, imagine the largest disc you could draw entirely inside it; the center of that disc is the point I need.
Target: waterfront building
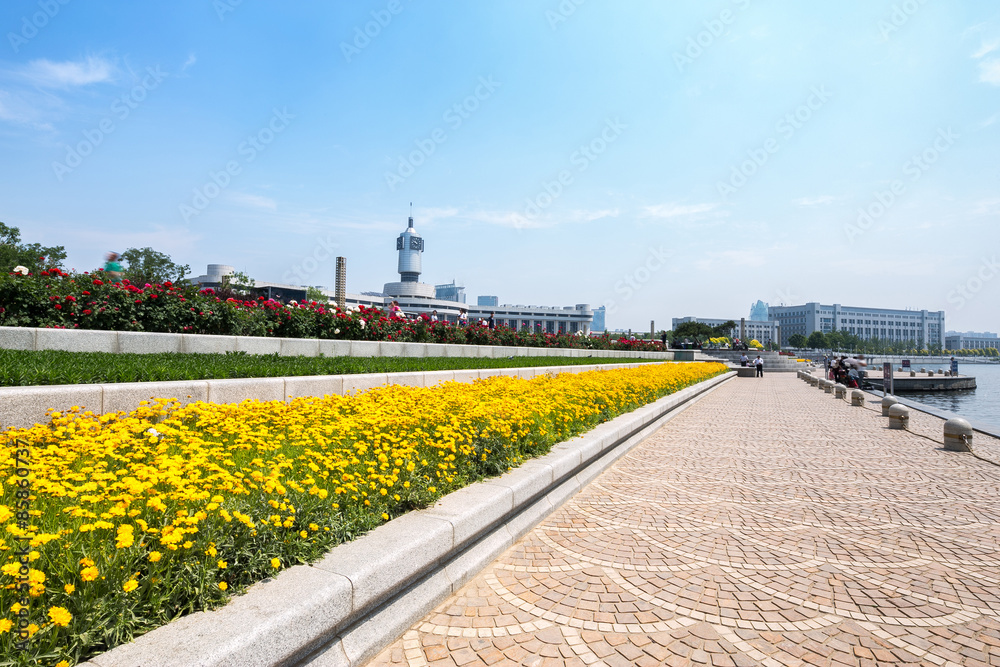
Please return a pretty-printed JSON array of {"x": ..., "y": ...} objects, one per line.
[
  {"x": 970, "y": 340},
  {"x": 487, "y": 301},
  {"x": 450, "y": 292},
  {"x": 925, "y": 327},
  {"x": 762, "y": 331}
]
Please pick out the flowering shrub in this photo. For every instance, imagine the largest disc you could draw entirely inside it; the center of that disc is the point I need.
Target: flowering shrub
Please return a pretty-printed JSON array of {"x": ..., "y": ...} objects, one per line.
[
  {"x": 138, "y": 518},
  {"x": 54, "y": 298}
]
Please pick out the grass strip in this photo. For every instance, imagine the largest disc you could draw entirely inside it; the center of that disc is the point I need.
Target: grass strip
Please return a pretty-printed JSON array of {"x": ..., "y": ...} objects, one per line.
[{"x": 20, "y": 368}]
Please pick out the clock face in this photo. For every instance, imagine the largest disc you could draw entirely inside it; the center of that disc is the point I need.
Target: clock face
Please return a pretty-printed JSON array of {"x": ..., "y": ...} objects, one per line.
[
  {"x": 399, "y": 243},
  {"x": 416, "y": 244}
]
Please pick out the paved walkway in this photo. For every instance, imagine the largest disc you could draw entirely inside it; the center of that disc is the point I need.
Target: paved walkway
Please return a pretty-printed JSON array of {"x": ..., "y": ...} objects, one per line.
[{"x": 768, "y": 524}]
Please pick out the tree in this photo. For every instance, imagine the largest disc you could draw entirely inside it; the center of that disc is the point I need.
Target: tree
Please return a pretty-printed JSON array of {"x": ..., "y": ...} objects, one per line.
[
  {"x": 146, "y": 265},
  {"x": 798, "y": 340},
  {"x": 316, "y": 294},
  {"x": 15, "y": 253},
  {"x": 724, "y": 330},
  {"x": 693, "y": 330},
  {"x": 816, "y": 340}
]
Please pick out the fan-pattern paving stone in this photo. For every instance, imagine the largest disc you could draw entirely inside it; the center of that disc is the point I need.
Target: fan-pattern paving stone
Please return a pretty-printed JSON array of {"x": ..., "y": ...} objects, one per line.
[{"x": 769, "y": 524}]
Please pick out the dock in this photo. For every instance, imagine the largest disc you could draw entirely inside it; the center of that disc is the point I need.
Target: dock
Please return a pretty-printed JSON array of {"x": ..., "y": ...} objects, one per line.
[{"x": 906, "y": 382}]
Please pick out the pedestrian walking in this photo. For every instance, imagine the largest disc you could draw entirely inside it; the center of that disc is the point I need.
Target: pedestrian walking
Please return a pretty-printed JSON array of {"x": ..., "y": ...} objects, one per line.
[{"x": 112, "y": 268}]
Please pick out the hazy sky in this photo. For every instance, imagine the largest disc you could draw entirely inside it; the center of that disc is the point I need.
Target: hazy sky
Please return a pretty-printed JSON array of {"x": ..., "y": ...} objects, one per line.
[{"x": 663, "y": 158}]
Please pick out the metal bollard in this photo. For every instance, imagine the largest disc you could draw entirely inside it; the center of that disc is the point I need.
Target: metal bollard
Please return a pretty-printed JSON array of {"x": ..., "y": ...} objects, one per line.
[
  {"x": 887, "y": 402},
  {"x": 899, "y": 417},
  {"x": 839, "y": 391},
  {"x": 958, "y": 435},
  {"x": 858, "y": 398}
]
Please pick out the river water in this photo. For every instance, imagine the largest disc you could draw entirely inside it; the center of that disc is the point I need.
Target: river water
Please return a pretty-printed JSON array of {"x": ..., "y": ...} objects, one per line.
[{"x": 980, "y": 404}]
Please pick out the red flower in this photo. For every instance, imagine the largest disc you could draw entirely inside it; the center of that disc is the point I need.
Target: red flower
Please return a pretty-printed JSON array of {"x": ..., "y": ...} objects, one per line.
[
  {"x": 98, "y": 282},
  {"x": 86, "y": 312},
  {"x": 86, "y": 293},
  {"x": 58, "y": 307}
]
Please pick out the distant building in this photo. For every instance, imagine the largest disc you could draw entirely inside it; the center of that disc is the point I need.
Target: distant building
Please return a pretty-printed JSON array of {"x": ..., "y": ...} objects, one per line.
[
  {"x": 758, "y": 312},
  {"x": 761, "y": 331},
  {"x": 450, "y": 292},
  {"x": 599, "y": 324},
  {"x": 487, "y": 301},
  {"x": 924, "y": 327},
  {"x": 970, "y": 340}
]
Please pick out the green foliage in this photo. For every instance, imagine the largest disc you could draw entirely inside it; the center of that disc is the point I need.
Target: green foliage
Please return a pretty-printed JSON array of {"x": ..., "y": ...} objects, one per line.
[
  {"x": 693, "y": 330},
  {"x": 48, "y": 367},
  {"x": 817, "y": 340},
  {"x": 798, "y": 340},
  {"x": 34, "y": 256},
  {"x": 147, "y": 266},
  {"x": 316, "y": 294}
]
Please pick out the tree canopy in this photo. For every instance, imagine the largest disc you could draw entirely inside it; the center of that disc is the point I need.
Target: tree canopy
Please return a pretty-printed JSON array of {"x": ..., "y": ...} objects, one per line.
[
  {"x": 34, "y": 256},
  {"x": 798, "y": 340},
  {"x": 146, "y": 265}
]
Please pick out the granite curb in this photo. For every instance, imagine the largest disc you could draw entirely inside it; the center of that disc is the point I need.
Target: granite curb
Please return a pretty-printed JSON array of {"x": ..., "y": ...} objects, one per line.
[
  {"x": 114, "y": 342},
  {"x": 343, "y": 609},
  {"x": 22, "y": 407}
]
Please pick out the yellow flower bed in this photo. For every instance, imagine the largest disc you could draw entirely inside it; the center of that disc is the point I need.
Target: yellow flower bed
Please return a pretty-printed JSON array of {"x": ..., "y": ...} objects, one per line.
[{"x": 134, "y": 519}]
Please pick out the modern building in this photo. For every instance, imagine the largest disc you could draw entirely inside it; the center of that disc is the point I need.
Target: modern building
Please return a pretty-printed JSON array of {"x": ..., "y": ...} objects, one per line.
[
  {"x": 450, "y": 292},
  {"x": 600, "y": 322},
  {"x": 762, "y": 331},
  {"x": 970, "y": 340},
  {"x": 487, "y": 301},
  {"x": 758, "y": 312},
  {"x": 410, "y": 246},
  {"x": 924, "y": 327}
]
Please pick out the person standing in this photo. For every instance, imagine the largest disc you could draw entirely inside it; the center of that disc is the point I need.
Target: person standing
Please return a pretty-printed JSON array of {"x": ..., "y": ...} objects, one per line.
[
  {"x": 463, "y": 317},
  {"x": 759, "y": 363},
  {"x": 112, "y": 268},
  {"x": 663, "y": 339},
  {"x": 744, "y": 360},
  {"x": 491, "y": 322}
]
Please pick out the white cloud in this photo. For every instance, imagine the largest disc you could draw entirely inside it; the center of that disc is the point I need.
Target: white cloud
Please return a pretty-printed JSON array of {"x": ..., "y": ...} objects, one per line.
[
  {"x": 667, "y": 211},
  {"x": 48, "y": 74},
  {"x": 822, "y": 200},
  {"x": 985, "y": 48},
  {"x": 989, "y": 121},
  {"x": 253, "y": 201},
  {"x": 989, "y": 71},
  {"x": 191, "y": 60}
]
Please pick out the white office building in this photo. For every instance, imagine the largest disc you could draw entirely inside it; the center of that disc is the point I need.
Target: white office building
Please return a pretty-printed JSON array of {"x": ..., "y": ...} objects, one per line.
[
  {"x": 970, "y": 340},
  {"x": 925, "y": 327}
]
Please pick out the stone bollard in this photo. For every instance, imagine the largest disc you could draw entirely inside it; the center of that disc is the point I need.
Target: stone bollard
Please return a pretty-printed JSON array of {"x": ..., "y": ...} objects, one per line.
[
  {"x": 930, "y": 373},
  {"x": 899, "y": 417},
  {"x": 858, "y": 398},
  {"x": 923, "y": 370},
  {"x": 828, "y": 387},
  {"x": 957, "y": 435},
  {"x": 887, "y": 402},
  {"x": 839, "y": 391},
  {"x": 913, "y": 374}
]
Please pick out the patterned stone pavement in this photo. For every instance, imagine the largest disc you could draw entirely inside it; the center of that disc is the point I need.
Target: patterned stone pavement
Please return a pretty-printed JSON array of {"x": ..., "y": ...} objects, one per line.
[{"x": 768, "y": 524}]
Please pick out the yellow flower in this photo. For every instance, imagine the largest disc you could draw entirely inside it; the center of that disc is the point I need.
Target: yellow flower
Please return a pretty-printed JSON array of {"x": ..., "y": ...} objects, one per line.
[
  {"x": 222, "y": 564},
  {"x": 69, "y": 588},
  {"x": 60, "y": 616},
  {"x": 32, "y": 629},
  {"x": 11, "y": 569},
  {"x": 275, "y": 563},
  {"x": 62, "y": 663},
  {"x": 385, "y": 517},
  {"x": 5, "y": 625},
  {"x": 130, "y": 585},
  {"x": 303, "y": 534},
  {"x": 155, "y": 556},
  {"x": 89, "y": 573},
  {"x": 223, "y": 585}
]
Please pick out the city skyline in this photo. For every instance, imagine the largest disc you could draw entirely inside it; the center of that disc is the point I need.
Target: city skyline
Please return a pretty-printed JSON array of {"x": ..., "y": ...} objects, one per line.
[{"x": 643, "y": 157}]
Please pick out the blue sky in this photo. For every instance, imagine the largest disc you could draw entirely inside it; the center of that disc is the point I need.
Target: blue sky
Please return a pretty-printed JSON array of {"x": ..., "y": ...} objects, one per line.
[{"x": 663, "y": 158}]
